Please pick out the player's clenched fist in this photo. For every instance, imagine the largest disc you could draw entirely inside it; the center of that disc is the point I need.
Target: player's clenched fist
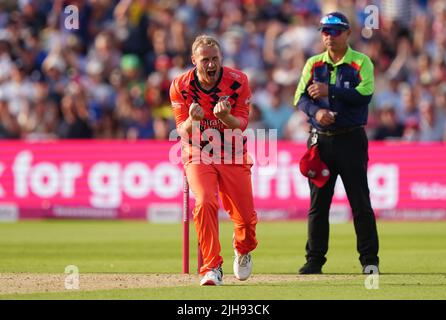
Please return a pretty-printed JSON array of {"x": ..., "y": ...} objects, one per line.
[
  {"x": 222, "y": 109},
  {"x": 196, "y": 112}
]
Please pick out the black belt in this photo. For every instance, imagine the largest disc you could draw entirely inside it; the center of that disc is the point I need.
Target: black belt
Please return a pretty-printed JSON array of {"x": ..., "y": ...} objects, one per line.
[{"x": 336, "y": 132}]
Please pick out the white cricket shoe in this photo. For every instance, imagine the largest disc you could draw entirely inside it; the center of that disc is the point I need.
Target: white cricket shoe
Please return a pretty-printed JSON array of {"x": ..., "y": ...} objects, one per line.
[
  {"x": 213, "y": 277},
  {"x": 242, "y": 265}
]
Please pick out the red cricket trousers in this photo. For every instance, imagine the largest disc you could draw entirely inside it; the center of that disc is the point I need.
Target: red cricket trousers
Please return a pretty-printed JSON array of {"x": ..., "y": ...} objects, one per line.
[{"x": 232, "y": 182}]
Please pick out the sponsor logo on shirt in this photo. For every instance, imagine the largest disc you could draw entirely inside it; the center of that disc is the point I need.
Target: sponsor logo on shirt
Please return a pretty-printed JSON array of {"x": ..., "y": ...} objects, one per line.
[{"x": 177, "y": 105}]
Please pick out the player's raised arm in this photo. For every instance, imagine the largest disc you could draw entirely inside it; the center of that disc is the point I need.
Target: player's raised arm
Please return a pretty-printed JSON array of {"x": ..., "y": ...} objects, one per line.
[
  {"x": 241, "y": 109},
  {"x": 184, "y": 114}
]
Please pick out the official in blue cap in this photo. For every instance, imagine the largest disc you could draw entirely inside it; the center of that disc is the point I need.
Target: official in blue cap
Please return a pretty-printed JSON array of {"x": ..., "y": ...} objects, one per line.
[{"x": 334, "y": 91}]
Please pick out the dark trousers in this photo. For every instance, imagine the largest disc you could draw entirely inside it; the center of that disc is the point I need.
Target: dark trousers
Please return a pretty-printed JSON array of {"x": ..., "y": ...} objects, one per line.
[{"x": 346, "y": 155}]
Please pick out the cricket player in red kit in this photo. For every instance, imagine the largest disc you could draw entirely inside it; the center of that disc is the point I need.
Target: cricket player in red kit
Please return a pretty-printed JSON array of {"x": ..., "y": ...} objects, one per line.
[{"x": 214, "y": 97}]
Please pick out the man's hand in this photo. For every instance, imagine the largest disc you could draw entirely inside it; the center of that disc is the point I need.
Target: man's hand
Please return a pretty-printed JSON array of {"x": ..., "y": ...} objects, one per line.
[
  {"x": 196, "y": 112},
  {"x": 222, "y": 109},
  {"x": 325, "y": 117},
  {"x": 318, "y": 90}
]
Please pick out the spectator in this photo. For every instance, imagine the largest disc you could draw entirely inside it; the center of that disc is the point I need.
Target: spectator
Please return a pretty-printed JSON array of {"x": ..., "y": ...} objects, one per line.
[
  {"x": 141, "y": 126},
  {"x": 100, "y": 95},
  {"x": 55, "y": 75},
  {"x": 131, "y": 70},
  {"x": 409, "y": 104},
  {"x": 42, "y": 118},
  {"x": 132, "y": 49},
  {"x": 105, "y": 52},
  {"x": 5, "y": 60},
  {"x": 432, "y": 122},
  {"x": 390, "y": 95},
  {"x": 108, "y": 127},
  {"x": 297, "y": 127},
  {"x": 389, "y": 127},
  {"x": 74, "y": 124},
  {"x": 277, "y": 114},
  {"x": 411, "y": 130},
  {"x": 9, "y": 127},
  {"x": 162, "y": 128},
  {"x": 19, "y": 90},
  {"x": 124, "y": 109},
  {"x": 255, "y": 118}
]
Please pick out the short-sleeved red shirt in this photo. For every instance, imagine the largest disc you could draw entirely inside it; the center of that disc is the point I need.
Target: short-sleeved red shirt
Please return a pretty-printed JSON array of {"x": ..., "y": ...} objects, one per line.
[{"x": 186, "y": 89}]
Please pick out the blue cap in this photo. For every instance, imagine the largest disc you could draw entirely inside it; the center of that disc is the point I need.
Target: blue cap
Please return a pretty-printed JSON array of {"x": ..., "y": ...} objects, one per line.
[{"x": 334, "y": 20}]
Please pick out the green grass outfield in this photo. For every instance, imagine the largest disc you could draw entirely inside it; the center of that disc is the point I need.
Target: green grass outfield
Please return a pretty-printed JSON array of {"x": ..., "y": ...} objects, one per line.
[{"x": 413, "y": 260}]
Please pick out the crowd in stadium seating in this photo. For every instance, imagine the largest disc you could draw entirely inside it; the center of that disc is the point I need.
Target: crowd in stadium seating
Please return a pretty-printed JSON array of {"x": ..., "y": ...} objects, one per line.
[{"x": 110, "y": 78}]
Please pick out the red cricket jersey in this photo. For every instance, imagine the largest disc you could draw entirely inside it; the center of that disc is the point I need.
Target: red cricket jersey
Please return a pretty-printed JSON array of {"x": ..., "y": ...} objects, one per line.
[{"x": 186, "y": 89}]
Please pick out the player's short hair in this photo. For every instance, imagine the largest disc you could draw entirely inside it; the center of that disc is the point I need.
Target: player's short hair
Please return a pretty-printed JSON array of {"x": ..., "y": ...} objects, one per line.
[{"x": 205, "y": 40}]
